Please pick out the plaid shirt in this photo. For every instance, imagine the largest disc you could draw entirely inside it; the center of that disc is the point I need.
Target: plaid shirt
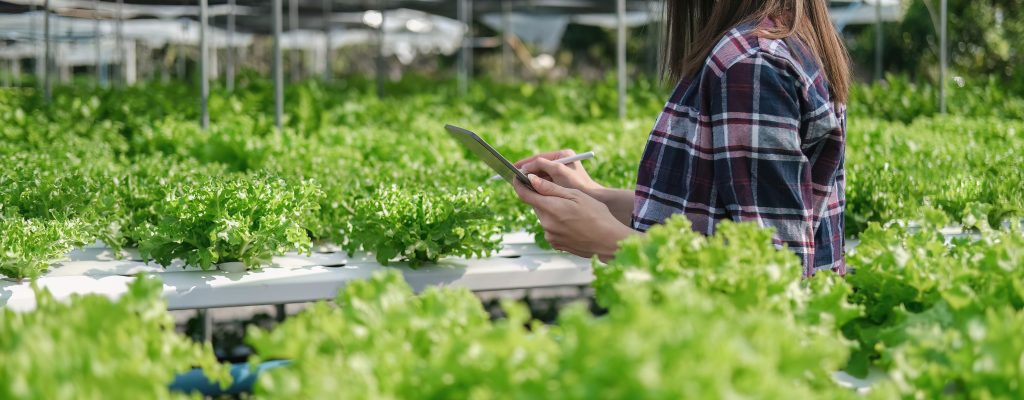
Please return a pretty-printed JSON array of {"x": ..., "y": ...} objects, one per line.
[{"x": 753, "y": 136}]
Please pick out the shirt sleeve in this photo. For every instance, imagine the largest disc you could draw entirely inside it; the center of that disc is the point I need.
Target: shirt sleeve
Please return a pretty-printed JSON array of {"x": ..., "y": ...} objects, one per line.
[{"x": 762, "y": 167}]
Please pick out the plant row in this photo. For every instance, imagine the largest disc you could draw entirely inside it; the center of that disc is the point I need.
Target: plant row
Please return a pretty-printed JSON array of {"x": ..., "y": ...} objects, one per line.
[
  {"x": 687, "y": 316},
  {"x": 131, "y": 168}
]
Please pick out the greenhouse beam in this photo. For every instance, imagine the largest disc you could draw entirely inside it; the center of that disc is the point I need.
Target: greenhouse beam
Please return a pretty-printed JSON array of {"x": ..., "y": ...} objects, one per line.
[
  {"x": 943, "y": 55},
  {"x": 620, "y": 55},
  {"x": 278, "y": 75},
  {"x": 204, "y": 65},
  {"x": 327, "y": 40},
  {"x": 229, "y": 68},
  {"x": 47, "y": 89}
]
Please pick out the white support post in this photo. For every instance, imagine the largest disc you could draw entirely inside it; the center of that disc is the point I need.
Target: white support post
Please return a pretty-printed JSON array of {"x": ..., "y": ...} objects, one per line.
[
  {"x": 204, "y": 66},
  {"x": 229, "y": 73},
  {"x": 47, "y": 56},
  {"x": 293, "y": 26},
  {"x": 278, "y": 75},
  {"x": 943, "y": 55},
  {"x": 878, "y": 40},
  {"x": 119, "y": 40},
  {"x": 327, "y": 40},
  {"x": 620, "y": 55}
]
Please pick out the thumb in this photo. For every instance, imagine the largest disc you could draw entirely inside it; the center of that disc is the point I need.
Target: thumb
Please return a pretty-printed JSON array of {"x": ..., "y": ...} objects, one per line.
[{"x": 548, "y": 188}]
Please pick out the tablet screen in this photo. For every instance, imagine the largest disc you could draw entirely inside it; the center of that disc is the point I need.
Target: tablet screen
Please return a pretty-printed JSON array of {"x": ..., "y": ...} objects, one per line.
[{"x": 485, "y": 152}]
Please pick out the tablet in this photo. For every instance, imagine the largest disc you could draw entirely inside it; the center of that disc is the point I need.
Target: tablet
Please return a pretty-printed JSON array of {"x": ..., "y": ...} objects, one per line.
[{"x": 491, "y": 157}]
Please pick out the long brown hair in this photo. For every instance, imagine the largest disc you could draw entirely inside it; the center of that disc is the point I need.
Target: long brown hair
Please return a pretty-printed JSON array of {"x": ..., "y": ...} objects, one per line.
[{"x": 695, "y": 26}]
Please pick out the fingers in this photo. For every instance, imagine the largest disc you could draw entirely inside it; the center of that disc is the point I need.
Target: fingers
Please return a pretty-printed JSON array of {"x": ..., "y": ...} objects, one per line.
[
  {"x": 553, "y": 155},
  {"x": 525, "y": 194},
  {"x": 548, "y": 188},
  {"x": 543, "y": 166}
]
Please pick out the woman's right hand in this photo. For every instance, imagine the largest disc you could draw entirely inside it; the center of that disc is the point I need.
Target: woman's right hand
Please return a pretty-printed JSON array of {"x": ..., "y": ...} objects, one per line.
[{"x": 571, "y": 175}]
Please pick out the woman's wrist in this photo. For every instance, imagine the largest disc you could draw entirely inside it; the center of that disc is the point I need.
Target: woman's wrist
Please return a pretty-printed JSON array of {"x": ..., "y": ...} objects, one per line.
[
  {"x": 616, "y": 234},
  {"x": 618, "y": 201}
]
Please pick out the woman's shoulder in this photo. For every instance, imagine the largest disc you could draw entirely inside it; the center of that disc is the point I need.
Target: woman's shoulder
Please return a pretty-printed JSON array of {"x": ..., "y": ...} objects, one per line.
[
  {"x": 745, "y": 41},
  {"x": 788, "y": 56}
]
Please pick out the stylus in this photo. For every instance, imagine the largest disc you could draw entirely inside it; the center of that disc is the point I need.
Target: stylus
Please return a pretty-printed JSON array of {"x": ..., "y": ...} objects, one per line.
[{"x": 564, "y": 160}]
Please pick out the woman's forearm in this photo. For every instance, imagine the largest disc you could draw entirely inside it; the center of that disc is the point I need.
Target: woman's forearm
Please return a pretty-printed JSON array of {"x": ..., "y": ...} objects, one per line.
[{"x": 618, "y": 201}]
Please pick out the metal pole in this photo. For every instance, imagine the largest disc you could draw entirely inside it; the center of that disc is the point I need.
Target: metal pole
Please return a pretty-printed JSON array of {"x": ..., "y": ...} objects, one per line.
[
  {"x": 96, "y": 41},
  {"x": 204, "y": 66},
  {"x": 47, "y": 89},
  {"x": 943, "y": 57},
  {"x": 119, "y": 40},
  {"x": 380, "y": 50},
  {"x": 32, "y": 28},
  {"x": 278, "y": 75},
  {"x": 506, "y": 33},
  {"x": 620, "y": 55},
  {"x": 465, "y": 12},
  {"x": 327, "y": 40},
  {"x": 230, "y": 73},
  {"x": 878, "y": 40},
  {"x": 179, "y": 49},
  {"x": 293, "y": 26},
  {"x": 280, "y": 312}
]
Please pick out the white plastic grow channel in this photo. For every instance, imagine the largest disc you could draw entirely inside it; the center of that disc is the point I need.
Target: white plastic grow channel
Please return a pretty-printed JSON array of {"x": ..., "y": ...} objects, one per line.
[{"x": 297, "y": 278}]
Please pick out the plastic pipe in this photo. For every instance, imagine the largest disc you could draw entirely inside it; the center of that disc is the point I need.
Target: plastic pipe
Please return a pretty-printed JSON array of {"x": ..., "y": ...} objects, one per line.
[{"x": 243, "y": 379}]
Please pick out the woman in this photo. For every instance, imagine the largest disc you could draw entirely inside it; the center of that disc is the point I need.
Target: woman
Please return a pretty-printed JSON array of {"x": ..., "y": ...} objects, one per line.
[{"x": 754, "y": 131}]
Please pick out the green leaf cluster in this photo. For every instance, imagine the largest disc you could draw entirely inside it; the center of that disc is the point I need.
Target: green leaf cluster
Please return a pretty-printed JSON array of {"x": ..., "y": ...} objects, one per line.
[
  {"x": 91, "y": 347},
  {"x": 914, "y": 284},
  {"x": 381, "y": 341},
  {"x": 28, "y": 246},
  {"x": 415, "y": 227},
  {"x": 234, "y": 218}
]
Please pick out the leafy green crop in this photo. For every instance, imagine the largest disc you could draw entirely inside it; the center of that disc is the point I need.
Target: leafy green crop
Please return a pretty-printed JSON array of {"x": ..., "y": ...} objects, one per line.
[
  {"x": 381, "y": 341},
  {"x": 951, "y": 163},
  {"x": 110, "y": 157},
  {"x": 28, "y": 246},
  {"x": 232, "y": 218},
  {"x": 422, "y": 227},
  {"x": 94, "y": 348},
  {"x": 977, "y": 358},
  {"x": 909, "y": 280},
  {"x": 739, "y": 263}
]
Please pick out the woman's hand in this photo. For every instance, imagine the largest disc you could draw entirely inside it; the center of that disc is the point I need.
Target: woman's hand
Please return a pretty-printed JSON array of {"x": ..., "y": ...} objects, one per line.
[
  {"x": 571, "y": 175},
  {"x": 572, "y": 220}
]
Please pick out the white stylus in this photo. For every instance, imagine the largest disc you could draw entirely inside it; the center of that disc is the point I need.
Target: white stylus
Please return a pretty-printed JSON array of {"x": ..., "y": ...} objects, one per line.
[{"x": 565, "y": 160}]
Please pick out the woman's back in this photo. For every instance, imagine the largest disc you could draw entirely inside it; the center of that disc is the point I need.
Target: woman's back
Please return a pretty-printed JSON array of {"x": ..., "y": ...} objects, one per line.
[{"x": 752, "y": 136}]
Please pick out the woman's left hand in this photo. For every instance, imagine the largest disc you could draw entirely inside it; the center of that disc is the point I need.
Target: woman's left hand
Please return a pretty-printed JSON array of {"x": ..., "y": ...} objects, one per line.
[{"x": 572, "y": 220}]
